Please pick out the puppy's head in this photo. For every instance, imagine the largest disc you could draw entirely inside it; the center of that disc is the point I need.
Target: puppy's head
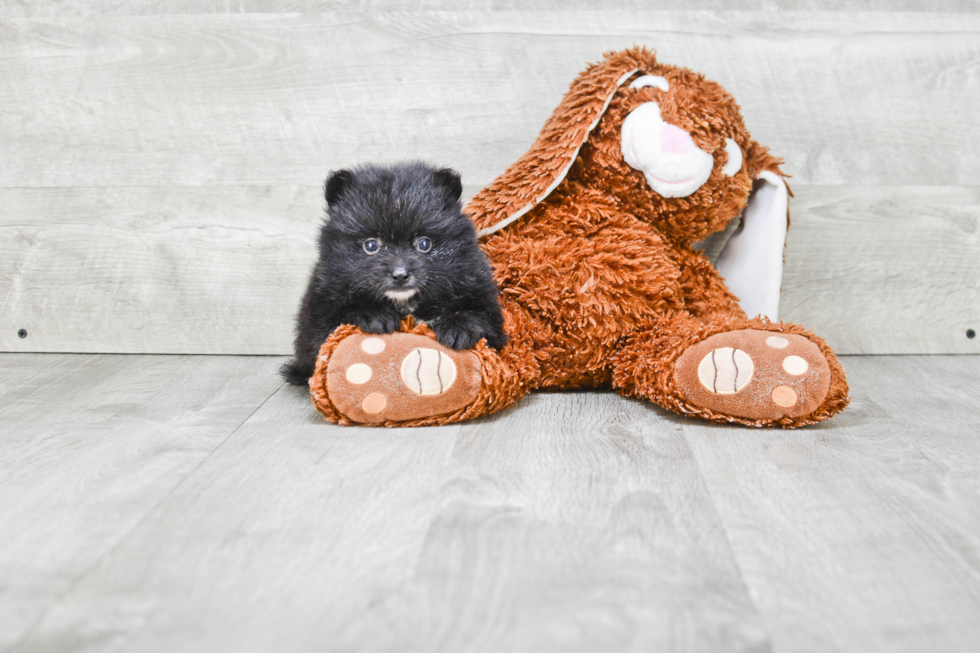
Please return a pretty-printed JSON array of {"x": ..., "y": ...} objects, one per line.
[{"x": 396, "y": 232}]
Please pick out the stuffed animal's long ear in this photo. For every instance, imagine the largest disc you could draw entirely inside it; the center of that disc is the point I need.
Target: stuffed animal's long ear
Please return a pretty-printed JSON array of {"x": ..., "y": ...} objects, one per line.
[
  {"x": 752, "y": 260},
  {"x": 335, "y": 185},
  {"x": 531, "y": 178}
]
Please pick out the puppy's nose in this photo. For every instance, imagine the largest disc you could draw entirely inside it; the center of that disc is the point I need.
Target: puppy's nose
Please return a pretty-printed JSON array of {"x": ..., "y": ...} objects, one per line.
[{"x": 400, "y": 275}]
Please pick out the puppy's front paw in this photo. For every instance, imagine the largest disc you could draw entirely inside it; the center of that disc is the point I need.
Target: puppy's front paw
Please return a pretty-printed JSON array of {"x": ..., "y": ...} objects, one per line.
[
  {"x": 457, "y": 334},
  {"x": 377, "y": 322}
]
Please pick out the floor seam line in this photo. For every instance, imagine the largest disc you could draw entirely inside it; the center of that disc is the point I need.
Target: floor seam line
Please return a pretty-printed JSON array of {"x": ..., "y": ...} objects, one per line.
[
  {"x": 82, "y": 576},
  {"x": 728, "y": 542}
]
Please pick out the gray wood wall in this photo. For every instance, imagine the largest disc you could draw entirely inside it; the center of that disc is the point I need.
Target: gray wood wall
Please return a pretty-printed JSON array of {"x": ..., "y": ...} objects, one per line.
[{"x": 161, "y": 162}]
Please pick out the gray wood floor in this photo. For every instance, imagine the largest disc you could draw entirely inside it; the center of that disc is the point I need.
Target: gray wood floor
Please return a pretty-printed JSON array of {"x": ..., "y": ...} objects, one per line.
[
  {"x": 160, "y": 185},
  {"x": 193, "y": 503}
]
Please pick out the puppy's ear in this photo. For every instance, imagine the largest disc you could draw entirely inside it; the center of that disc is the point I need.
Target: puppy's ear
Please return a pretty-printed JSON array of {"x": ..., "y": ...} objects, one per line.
[
  {"x": 337, "y": 182},
  {"x": 450, "y": 180}
]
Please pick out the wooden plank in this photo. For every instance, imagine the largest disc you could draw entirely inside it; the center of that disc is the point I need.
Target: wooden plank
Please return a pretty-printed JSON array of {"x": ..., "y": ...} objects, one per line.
[
  {"x": 574, "y": 522},
  {"x": 846, "y": 98},
  {"x": 885, "y": 270},
  {"x": 221, "y": 270},
  {"x": 88, "y": 446},
  {"x": 86, "y": 8},
  {"x": 862, "y": 534},
  {"x": 202, "y": 270},
  {"x": 204, "y": 101}
]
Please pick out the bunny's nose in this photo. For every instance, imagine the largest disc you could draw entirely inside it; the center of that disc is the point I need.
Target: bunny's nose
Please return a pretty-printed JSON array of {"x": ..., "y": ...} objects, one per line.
[{"x": 674, "y": 140}]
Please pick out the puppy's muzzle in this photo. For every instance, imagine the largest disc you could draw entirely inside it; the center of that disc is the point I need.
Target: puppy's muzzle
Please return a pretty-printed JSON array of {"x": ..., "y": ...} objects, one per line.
[{"x": 400, "y": 275}]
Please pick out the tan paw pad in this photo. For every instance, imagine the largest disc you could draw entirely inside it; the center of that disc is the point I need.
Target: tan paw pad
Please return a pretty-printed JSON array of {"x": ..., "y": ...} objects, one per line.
[
  {"x": 725, "y": 371},
  {"x": 784, "y": 396},
  {"x": 754, "y": 374},
  {"x": 426, "y": 371},
  {"x": 795, "y": 365},
  {"x": 358, "y": 373},
  {"x": 373, "y": 346},
  {"x": 374, "y": 403},
  {"x": 399, "y": 376}
]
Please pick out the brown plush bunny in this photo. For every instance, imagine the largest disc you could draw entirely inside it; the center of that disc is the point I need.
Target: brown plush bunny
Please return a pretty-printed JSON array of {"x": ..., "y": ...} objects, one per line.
[{"x": 590, "y": 234}]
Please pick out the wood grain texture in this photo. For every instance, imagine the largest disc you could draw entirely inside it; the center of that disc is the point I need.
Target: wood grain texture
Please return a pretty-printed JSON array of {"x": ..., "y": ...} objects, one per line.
[
  {"x": 155, "y": 270},
  {"x": 885, "y": 270},
  {"x": 571, "y": 523},
  {"x": 151, "y": 7},
  {"x": 141, "y": 514},
  {"x": 88, "y": 446},
  {"x": 220, "y": 270},
  {"x": 863, "y": 533},
  {"x": 846, "y": 98},
  {"x": 162, "y": 162}
]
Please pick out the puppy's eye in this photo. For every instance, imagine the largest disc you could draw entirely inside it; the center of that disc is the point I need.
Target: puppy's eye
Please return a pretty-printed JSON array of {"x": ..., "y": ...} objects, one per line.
[
  {"x": 423, "y": 244},
  {"x": 371, "y": 246}
]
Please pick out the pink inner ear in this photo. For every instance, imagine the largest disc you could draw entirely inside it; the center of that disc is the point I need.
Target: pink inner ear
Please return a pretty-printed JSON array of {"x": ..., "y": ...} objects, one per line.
[{"x": 674, "y": 140}]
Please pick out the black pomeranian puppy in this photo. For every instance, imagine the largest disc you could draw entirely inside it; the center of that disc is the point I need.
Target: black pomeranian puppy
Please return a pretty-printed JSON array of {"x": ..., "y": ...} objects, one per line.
[{"x": 396, "y": 243}]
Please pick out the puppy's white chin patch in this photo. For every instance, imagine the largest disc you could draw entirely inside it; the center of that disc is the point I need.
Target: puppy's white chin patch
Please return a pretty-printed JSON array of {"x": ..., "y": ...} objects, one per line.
[{"x": 401, "y": 296}]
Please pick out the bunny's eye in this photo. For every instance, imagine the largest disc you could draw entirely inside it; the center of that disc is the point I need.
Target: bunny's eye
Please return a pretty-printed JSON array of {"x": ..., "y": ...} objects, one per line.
[
  {"x": 655, "y": 81},
  {"x": 423, "y": 244},
  {"x": 371, "y": 246}
]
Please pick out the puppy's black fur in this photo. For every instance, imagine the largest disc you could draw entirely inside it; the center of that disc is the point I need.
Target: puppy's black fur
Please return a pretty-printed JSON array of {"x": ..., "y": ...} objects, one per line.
[{"x": 396, "y": 243}]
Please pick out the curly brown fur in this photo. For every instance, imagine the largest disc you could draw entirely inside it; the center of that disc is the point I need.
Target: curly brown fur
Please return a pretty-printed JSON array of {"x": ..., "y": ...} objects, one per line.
[
  {"x": 603, "y": 265},
  {"x": 599, "y": 268}
]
